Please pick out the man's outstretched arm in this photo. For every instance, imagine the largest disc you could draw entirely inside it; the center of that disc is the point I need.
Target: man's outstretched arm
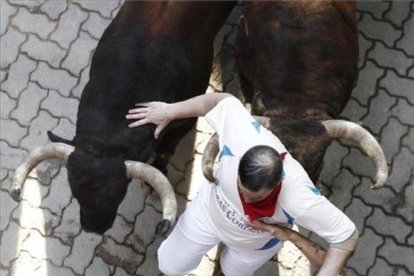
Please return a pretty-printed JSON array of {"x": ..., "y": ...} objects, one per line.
[
  {"x": 329, "y": 262},
  {"x": 161, "y": 113}
]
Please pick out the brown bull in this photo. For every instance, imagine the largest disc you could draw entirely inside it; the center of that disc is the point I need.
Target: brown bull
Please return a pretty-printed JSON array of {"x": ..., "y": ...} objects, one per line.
[{"x": 297, "y": 62}]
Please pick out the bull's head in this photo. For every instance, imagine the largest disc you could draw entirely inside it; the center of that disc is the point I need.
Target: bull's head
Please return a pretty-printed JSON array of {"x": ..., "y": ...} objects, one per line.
[
  {"x": 310, "y": 154},
  {"x": 99, "y": 184}
]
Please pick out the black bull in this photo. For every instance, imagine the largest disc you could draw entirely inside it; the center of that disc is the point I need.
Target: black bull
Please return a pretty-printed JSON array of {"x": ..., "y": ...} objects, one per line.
[
  {"x": 151, "y": 51},
  {"x": 297, "y": 62}
]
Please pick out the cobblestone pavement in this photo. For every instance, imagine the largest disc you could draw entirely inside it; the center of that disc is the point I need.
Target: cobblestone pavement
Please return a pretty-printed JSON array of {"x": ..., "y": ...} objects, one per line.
[{"x": 46, "y": 48}]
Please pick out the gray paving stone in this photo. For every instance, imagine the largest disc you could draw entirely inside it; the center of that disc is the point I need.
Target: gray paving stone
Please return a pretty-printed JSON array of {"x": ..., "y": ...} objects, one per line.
[
  {"x": 411, "y": 73},
  {"x": 150, "y": 264},
  {"x": 30, "y": 217},
  {"x": 144, "y": 229},
  {"x": 80, "y": 53},
  {"x": 358, "y": 211},
  {"x": 85, "y": 244},
  {"x": 11, "y": 132},
  {"x": 4, "y": 272},
  {"x": 119, "y": 255},
  {"x": 398, "y": 86},
  {"x": 28, "y": 104},
  {"x": 29, "y": 22},
  {"x": 375, "y": 8},
  {"x": 84, "y": 78},
  {"x": 364, "y": 46},
  {"x": 9, "y": 46},
  {"x": 398, "y": 255},
  {"x": 133, "y": 202},
  {"x": 19, "y": 76},
  {"x": 46, "y": 248},
  {"x": 409, "y": 139},
  {"x": 54, "y": 8},
  {"x": 383, "y": 197},
  {"x": 7, "y": 104},
  {"x": 380, "y": 110},
  {"x": 26, "y": 265},
  {"x": 393, "y": 227},
  {"x": 120, "y": 229},
  {"x": 56, "y": 79},
  {"x": 406, "y": 207},
  {"x": 391, "y": 137},
  {"x": 411, "y": 240},
  {"x": 11, "y": 240},
  {"x": 37, "y": 131},
  {"x": 388, "y": 57},
  {"x": 407, "y": 41},
  {"x": 10, "y": 157},
  {"x": 98, "y": 267},
  {"x": 365, "y": 253},
  {"x": 400, "y": 10},
  {"x": 342, "y": 189},
  {"x": 353, "y": 111},
  {"x": 119, "y": 271},
  {"x": 61, "y": 106},
  {"x": 404, "y": 111},
  {"x": 32, "y": 5},
  {"x": 7, "y": 11},
  {"x": 43, "y": 50},
  {"x": 378, "y": 30},
  {"x": 3, "y": 76},
  {"x": 7, "y": 206},
  {"x": 95, "y": 25},
  {"x": 380, "y": 268},
  {"x": 359, "y": 163},
  {"x": 367, "y": 82},
  {"x": 59, "y": 196},
  {"x": 47, "y": 268},
  {"x": 69, "y": 226},
  {"x": 104, "y": 9},
  {"x": 69, "y": 24}
]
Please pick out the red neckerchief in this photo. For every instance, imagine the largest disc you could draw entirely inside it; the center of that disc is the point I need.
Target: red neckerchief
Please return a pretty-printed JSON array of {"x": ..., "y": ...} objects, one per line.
[{"x": 265, "y": 207}]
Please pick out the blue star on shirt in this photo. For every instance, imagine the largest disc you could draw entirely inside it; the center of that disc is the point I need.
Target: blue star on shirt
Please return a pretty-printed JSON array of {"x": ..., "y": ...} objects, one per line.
[
  {"x": 289, "y": 217},
  {"x": 226, "y": 152},
  {"x": 272, "y": 242},
  {"x": 256, "y": 125},
  {"x": 314, "y": 190}
]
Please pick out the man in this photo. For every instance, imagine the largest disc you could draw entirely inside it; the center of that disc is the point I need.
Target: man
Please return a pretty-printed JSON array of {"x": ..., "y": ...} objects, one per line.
[{"x": 256, "y": 180}]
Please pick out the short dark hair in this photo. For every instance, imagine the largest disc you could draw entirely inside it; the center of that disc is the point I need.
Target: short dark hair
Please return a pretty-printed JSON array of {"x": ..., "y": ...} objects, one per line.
[{"x": 260, "y": 167}]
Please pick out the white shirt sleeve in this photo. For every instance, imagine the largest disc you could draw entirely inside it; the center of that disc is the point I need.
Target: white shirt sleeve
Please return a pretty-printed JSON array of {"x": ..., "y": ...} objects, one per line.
[{"x": 314, "y": 212}]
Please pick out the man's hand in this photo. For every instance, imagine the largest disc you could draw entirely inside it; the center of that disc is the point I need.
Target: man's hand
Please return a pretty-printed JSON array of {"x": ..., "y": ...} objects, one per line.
[
  {"x": 150, "y": 113},
  {"x": 280, "y": 232}
]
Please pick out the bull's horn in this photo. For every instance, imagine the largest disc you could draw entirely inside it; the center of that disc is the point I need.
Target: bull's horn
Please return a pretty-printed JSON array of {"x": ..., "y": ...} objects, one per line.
[
  {"x": 48, "y": 151},
  {"x": 212, "y": 149},
  {"x": 352, "y": 131},
  {"x": 162, "y": 186},
  {"x": 209, "y": 156}
]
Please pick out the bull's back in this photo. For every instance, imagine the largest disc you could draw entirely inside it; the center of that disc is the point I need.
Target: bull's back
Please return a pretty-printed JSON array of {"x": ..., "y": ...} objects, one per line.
[{"x": 305, "y": 53}]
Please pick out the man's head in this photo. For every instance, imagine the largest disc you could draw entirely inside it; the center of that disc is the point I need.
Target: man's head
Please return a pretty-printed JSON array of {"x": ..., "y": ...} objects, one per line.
[{"x": 260, "y": 171}]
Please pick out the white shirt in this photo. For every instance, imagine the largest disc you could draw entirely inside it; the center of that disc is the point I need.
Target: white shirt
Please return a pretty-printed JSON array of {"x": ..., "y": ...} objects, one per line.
[{"x": 299, "y": 201}]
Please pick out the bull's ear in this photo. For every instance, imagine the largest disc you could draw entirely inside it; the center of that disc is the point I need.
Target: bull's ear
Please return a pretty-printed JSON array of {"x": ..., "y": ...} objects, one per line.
[{"x": 55, "y": 138}]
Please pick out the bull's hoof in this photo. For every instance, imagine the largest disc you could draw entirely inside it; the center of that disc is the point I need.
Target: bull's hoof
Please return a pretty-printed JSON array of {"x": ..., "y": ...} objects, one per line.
[
  {"x": 15, "y": 194},
  {"x": 163, "y": 228}
]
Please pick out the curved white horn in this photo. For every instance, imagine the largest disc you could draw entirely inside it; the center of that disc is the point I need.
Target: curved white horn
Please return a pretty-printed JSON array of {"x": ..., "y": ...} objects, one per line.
[
  {"x": 209, "y": 157},
  {"x": 352, "y": 131},
  {"x": 159, "y": 182},
  {"x": 48, "y": 151}
]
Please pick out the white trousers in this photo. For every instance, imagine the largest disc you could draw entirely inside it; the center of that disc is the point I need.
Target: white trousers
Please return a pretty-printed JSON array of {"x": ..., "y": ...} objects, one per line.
[{"x": 194, "y": 235}]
